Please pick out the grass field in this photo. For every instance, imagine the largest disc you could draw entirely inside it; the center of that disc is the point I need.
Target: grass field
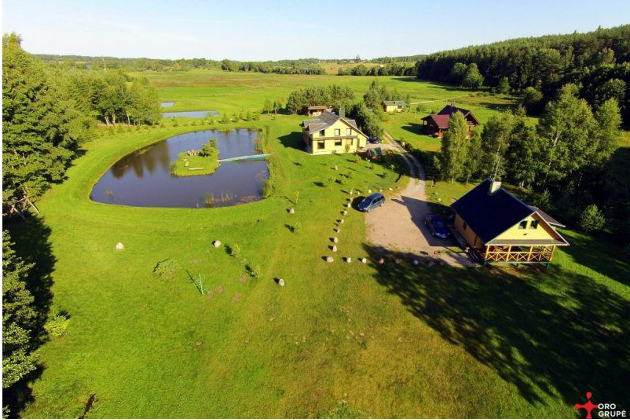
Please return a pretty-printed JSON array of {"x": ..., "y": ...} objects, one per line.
[{"x": 339, "y": 340}]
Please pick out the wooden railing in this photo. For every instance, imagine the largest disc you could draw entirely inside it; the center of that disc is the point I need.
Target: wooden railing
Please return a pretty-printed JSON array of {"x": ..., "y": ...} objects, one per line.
[{"x": 506, "y": 254}]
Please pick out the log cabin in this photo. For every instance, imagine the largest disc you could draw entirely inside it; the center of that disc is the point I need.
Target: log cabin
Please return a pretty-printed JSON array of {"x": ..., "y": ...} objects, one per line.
[
  {"x": 316, "y": 110},
  {"x": 331, "y": 133},
  {"x": 436, "y": 124},
  {"x": 500, "y": 228}
]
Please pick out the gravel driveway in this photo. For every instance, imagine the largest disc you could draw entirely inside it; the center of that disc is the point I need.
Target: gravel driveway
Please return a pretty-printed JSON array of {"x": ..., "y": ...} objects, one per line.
[{"x": 399, "y": 224}]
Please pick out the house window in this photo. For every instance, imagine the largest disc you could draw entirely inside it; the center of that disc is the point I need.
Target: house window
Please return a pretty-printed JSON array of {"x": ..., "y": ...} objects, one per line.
[
  {"x": 322, "y": 133},
  {"x": 337, "y": 142},
  {"x": 337, "y": 132},
  {"x": 348, "y": 131},
  {"x": 523, "y": 225},
  {"x": 533, "y": 224},
  {"x": 464, "y": 225},
  {"x": 321, "y": 145}
]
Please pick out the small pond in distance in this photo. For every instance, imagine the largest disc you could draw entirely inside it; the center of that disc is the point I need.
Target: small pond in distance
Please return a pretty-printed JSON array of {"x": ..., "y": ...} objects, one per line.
[
  {"x": 190, "y": 114},
  {"x": 167, "y": 104},
  {"x": 143, "y": 178}
]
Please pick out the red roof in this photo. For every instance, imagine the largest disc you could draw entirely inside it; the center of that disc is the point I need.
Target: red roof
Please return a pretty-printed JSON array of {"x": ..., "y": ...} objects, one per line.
[{"x": 441, "y": 121}]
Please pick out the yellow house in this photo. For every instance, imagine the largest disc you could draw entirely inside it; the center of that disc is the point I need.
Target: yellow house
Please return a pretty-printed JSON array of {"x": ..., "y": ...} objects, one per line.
[
  {"x": 393, "y": 106},
  {"x": 330, "y": 133},
  {"x": 500, "y": 228}
]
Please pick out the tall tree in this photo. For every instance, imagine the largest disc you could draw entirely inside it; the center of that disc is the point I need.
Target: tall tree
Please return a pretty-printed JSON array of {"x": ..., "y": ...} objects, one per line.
[
  {"x": 42, "y": 129},
  {"x": 472, "y": 78},
  {"x": 453, "y": 151},
  {"x": 567, "y": 128},
  {"x": 495, "y": 139},
  {"x": 18, "y": 317}
]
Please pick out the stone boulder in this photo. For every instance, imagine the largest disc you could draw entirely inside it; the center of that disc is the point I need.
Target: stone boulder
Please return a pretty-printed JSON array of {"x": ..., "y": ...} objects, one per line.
[
  {"x": 216, "y": 244},
  {"x": 280, "y": 282},
  {"x": 330, "y": 259},
  {"x": 291, "y": 210}
]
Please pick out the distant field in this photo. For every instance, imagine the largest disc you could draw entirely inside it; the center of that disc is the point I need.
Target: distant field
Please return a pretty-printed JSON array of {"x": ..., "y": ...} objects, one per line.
[{"x": 231, "y": 92}]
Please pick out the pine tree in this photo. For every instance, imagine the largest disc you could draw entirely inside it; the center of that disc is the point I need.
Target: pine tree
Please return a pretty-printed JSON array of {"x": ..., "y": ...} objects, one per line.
[{"x": 18, "y": 317}]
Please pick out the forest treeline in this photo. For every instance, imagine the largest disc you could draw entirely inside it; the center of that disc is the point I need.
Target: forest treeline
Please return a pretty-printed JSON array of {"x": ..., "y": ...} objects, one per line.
[
  {"x": 48, "y": 112},
  {"x": 596, "y": 62}
]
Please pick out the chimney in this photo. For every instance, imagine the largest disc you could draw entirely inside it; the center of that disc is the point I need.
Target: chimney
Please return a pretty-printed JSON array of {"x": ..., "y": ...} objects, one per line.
[
  {"x": 342, "y": 112},
  {"x": 494, "y": 187}
]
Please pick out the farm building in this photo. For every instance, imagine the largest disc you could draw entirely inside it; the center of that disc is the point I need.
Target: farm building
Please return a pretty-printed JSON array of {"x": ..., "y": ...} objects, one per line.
[
  {"x": 315, "y": 110},
  {"x": 436, "y": 124},
  {"x": 330, "y": 133},
  {"x": 393, "y": 106},
  {"x": 500, "y": 228}
]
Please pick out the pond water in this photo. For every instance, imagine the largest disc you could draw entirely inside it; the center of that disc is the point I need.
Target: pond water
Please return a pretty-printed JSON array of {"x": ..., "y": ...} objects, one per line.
[
  {"x": 190, "y": 114},
  {"x": 167, "y": 104},
  {"x": 143, "y": 178}
]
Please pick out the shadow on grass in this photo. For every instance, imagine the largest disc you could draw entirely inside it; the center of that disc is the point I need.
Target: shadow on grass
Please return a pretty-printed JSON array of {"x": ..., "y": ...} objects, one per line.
[
  {"x": 546, "y": 331},
  {"x": 587, "y": 251},
  {"x": 31, "y": 238},
  {"x": 414, "y": 128},
  {"x": 293, "y": 140}
]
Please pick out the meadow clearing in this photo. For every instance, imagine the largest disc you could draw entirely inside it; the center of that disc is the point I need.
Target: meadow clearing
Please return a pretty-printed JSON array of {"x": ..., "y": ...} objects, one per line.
[{"x": 339, "y": 340}]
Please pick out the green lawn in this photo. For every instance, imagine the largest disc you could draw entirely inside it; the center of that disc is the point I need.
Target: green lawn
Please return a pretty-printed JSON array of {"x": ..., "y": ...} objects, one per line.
[{"x": 340, "y": 340}]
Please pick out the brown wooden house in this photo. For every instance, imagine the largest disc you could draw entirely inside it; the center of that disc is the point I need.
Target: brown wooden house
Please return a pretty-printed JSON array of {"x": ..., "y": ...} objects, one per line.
[
  {"x": 315, "y": 110},
  {"x": 499, "y": 228},
  {"x": 436, "y": 124}
]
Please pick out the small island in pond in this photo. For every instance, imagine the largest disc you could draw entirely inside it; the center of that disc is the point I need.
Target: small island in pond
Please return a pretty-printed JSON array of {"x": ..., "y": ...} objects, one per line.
[{"x": 197, "y": 162}]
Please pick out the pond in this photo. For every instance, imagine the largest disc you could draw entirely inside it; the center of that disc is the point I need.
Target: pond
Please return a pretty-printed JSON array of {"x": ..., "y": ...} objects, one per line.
[
  {"x": 167, "y": 104},
  {"x": 143, "y": 178},
  {"x": 190, "y": 114}
]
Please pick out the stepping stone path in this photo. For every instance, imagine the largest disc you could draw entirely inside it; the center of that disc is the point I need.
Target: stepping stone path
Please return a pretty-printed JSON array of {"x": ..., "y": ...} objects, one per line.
[
  {"x": 291, "y": 210},
  {"x": 281, "y": 282},
  {"x": 348, "y": 260},
  {"x": 120, "y": 246},
  {"x": 335, "y": 239},
  {"x": 330, "y": 259},
  {"x": 216, "y": 244},
  {"x": 333, "y": 248}
]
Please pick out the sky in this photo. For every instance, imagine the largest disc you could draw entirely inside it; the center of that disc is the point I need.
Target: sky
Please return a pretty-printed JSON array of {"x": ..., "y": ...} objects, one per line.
[{"x": 272, "y": 30}]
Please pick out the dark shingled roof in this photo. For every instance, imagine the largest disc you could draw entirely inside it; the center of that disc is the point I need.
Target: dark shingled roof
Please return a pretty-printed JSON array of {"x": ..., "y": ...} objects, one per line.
[
  {"x": 325, "y": 120},
  {"x": 451, "y": 109},
  {"x": 489, "y": 215},
  {"x": 441, "y": 121}
]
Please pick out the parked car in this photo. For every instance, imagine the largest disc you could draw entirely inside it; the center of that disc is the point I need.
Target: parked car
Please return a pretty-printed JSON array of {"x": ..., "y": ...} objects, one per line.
[
  {"x": 436, "y": 225},
  {"x": 371, "y": 202},
  {"x": 373, "y": 140}
]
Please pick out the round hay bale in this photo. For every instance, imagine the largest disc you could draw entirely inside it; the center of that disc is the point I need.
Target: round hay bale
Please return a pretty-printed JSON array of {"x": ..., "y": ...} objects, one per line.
[
  {"x": 120, "y": 246},
  {"x": 216, "y": 244}
]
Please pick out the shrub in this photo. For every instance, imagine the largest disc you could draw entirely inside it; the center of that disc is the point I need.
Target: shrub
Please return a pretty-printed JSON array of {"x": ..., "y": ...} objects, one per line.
[
  {"x": 165, "y": 270},
  {"x": 234, "y": 250},
  {"x": 296, "y": 228},
  {"x": 592, "y": 219},
  {"x": 57, "y": 324}
]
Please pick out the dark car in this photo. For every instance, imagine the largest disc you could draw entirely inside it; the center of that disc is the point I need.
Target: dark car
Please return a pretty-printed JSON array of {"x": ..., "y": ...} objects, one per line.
[
  {"x": 436, "y": 225},
  {"x": 371, "y": 202},
  {"x": 373, "y": 140}
]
